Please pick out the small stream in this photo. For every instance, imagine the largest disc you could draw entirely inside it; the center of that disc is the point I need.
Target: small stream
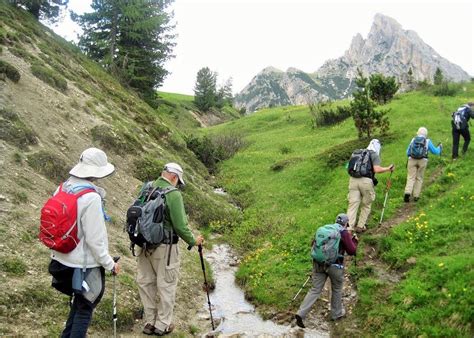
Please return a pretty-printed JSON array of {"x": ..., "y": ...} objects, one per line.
[{"x": 236, "y": 315}]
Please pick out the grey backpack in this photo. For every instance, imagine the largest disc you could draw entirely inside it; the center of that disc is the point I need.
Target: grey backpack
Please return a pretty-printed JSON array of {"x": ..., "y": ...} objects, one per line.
[
  {"x": 360, "y": 164},
  {"x": 145, "y": 218}
]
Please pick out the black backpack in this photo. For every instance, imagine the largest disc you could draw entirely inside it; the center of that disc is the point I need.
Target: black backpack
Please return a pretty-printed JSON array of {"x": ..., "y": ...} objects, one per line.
[
  {"x": 459, "y": 118},
  {"x": 146, "y": 216},
  {"x": 360, "y": 164}
]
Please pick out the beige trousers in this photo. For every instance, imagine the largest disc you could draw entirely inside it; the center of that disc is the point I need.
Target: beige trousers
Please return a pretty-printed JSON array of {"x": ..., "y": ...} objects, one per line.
[
  {"x": 416, "y": 172},
  {"x": 361, "y": 193},
  {"x": 157, "y": 284}
]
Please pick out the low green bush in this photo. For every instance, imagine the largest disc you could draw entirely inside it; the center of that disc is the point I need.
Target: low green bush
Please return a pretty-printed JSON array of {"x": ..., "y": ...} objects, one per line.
[
  {"x": 49, "y": 76},
  {"x": 325, "y": 114},
  {"x": 148, "y": 168},
  {"x": 14, "y": 266},
  {"x": 118, "y": 141},
  {"x": 445, "y": 89},
  {"x": 14, "y": 131},
  {"x": 22, "y": 53},
  {"x": 341, "y": 153},
  {"x": 211, "y": 150},
  {"x": 11, "y": 72},
  {"x": 49, "y": 165}
]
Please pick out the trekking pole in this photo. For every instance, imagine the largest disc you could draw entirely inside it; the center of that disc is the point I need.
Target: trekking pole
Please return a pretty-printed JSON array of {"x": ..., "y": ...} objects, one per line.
[
  {"x": 114, "y": 315},
  {"x": 389, "y": 184},
  {"x": 205, "y": 284},
  {"x": 304, "y": 284}
]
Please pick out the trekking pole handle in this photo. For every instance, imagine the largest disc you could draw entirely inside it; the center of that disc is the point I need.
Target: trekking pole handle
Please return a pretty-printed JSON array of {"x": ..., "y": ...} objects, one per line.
[{"x": 115, "y": 259}]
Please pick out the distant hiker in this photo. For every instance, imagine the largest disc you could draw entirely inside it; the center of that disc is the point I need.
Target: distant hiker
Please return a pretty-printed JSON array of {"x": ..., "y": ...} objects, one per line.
[
  {"x": 158, "y": 265},
  {"x": 417, "y": 153},
  {"x": 80, "y": 272},
  {"x": 328, "y": 248},
  {"x": 460, "y": 127},
  {"x": 363, "y": 165}
]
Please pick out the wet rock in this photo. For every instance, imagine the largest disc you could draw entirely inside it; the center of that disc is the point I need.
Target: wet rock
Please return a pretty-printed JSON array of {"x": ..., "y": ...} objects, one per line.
[{"x": 3, "y": 198}]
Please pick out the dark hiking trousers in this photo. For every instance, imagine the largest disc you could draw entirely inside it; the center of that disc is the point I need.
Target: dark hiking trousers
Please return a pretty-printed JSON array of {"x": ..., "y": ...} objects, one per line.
[
  {"x": 320, "y": 274},
  {"x": 456, "y": 136},
  {"x": 80, "y": 314}
]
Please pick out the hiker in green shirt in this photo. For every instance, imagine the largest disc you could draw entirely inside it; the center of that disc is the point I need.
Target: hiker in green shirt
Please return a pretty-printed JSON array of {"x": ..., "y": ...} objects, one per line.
[{"x": 158, "y": 267}]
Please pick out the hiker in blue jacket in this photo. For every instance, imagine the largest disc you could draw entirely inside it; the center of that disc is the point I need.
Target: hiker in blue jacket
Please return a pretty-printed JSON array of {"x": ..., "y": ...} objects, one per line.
[
  {"x": 460, "y": 127},
  {"x": 417, "y": 153}
]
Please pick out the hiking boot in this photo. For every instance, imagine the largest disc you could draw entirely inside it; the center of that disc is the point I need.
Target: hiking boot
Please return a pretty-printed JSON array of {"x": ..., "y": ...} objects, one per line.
[
  {"x": 149, "y": 329},
  {"x": 341, "y": 316},
  {"x": 416, "y": 199},
  {"x": 360, "y": 230},
  {"x": 406, "y": 198},
  {"x": 167, "y": 331},
  {"x": 299, "y": 321}
]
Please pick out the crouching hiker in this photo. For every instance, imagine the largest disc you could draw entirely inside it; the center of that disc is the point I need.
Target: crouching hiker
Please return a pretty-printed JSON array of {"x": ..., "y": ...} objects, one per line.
[
  {"x": 417, "y": 153},
  {"x": 328, "y": 248},
  {"x": 363, "y": 165},
  {"x": 158, "y": 260},
  {"x": 72, "y": 225}
]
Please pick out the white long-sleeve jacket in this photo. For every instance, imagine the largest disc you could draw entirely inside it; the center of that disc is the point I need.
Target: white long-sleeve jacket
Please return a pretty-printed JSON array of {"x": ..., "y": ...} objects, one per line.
[{"x": 94, "y": 250}]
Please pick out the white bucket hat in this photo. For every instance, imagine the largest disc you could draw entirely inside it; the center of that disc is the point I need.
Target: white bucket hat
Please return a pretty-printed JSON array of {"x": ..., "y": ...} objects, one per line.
[
  {"x": 92, "y": 163},
  {"x": 175, "y": 168}
]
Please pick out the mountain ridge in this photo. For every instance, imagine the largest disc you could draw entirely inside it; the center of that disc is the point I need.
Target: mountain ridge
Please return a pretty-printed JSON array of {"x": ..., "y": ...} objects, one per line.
[{"x": 388, "y": 49}]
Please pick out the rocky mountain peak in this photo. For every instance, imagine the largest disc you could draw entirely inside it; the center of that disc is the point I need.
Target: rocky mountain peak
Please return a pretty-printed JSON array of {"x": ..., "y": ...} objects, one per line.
[
  {"x": 388, "y": 49},
  {"x": 270, "y": 70},
  {"x": 385, "y": 24}
]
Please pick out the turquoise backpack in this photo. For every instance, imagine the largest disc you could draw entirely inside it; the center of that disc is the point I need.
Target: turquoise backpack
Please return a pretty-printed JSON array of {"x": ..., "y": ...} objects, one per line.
[{"x": 325, "y": 248}]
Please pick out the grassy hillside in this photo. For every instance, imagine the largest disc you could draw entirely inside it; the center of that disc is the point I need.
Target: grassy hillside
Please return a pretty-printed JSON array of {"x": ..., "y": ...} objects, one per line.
[
  {"x": 291, "y": 179},
  {"x": 54, "y": 103},
  {"x": 187, "y": 117}
]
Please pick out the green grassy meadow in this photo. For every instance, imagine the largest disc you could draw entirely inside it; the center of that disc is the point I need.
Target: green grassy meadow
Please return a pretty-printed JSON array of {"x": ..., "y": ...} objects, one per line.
[{"x": 283, "y": 182}]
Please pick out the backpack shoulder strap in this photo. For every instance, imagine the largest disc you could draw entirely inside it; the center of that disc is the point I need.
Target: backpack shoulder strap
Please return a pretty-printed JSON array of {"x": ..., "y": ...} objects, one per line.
[
  {"x": 85, "y": 191},
  {"x": 168, "y": 190}
]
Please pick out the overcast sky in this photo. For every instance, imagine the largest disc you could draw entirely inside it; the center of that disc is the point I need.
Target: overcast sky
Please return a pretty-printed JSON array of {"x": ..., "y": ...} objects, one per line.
[{"x": 239, "y": 38}]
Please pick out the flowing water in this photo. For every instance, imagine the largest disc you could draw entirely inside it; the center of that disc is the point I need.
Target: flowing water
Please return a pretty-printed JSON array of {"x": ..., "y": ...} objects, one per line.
[{"x": 236, "y": 315}]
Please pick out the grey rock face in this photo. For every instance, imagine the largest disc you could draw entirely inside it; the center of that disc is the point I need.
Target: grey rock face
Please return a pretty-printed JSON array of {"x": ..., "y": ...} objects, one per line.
[{"x": 388, "y": 49}]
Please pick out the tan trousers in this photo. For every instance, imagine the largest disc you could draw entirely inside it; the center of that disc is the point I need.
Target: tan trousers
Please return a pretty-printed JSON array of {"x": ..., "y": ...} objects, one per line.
[
  {"x": 416, "y": 172},
  {"x": 361, "y": 193},
  {"x": 156, "y": 279}
]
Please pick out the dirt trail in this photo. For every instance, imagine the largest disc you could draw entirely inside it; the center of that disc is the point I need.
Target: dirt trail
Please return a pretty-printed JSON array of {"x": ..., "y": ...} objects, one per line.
[
  {"x": 319, "y": 317},
  {"x": 372, "y": 260}
]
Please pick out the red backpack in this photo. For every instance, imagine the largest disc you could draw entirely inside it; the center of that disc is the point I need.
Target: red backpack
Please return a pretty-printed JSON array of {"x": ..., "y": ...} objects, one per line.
[{"x": 58, "y": 228}]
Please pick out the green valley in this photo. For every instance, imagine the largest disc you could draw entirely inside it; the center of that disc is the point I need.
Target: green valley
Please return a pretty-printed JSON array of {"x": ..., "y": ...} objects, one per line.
[{"x": 291, "y": 179}]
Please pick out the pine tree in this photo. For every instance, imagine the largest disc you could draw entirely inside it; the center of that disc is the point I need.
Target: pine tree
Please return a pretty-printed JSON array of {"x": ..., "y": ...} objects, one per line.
[
  {"x": 438, "y": 76},
  {"x": 410, "y": 79},
  {"x": 225, "y": 95},
  {"x": 366, "y": 118},
  {"x": 100, "y": 30},
  {"x": 131, "y": 38},
  {"x": 382, "y": 88},
  {"x": 43, "y": 9},
  {"x": 145, "y": 43},
  {"x": 205, "y": 89}
]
